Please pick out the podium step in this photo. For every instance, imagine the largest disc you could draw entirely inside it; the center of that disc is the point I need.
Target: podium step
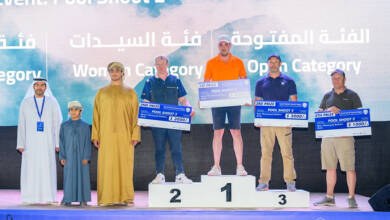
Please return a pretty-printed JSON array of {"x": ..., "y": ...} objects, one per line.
[{"x": 224, "y": 192}]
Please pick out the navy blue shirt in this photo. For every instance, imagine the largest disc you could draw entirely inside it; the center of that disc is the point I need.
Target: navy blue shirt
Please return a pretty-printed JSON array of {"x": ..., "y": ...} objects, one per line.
[
  {"x": 169, "y": 91},
  {"x": 278, "y": 89}
]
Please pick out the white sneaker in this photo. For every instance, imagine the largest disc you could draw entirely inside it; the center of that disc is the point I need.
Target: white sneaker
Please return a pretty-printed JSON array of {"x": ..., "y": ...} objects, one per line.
[
  {"x": 215, "y": 171},
  {"x": 241, "y": 171},
  {"x": 160, "y": 179},
  {"x": 181, "y": 178}
]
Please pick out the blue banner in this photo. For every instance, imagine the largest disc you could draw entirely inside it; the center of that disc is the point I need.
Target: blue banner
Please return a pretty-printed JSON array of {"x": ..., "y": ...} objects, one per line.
[{"x": 74, "y": 56}]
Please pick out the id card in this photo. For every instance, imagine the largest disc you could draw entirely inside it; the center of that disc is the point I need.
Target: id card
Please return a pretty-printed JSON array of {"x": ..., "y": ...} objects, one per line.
[{"x": 40, "y": 126}]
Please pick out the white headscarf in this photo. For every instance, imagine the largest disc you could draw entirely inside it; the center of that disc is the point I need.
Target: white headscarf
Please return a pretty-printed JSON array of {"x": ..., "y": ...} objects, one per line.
[
  {"x": 48, "y": 93},
  {"x": 75, "y": 104}
]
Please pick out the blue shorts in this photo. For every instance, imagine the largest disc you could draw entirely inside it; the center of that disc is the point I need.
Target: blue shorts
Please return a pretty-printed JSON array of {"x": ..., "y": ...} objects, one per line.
[{"x": 219, "y": 117}]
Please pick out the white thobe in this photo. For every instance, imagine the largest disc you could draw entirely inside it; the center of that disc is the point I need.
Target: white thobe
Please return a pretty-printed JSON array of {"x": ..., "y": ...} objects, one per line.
[{"x": 38, "y": 179}]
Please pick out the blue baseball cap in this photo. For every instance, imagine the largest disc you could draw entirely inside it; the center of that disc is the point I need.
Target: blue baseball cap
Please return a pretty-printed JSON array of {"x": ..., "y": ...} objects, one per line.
[
  {"x": 276, "y": 56},
  {"x": 339, "y": 71}
]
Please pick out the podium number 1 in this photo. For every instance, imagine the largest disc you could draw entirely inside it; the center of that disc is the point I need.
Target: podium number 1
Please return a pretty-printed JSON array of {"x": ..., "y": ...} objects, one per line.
[{"x": 228, "y": 189}]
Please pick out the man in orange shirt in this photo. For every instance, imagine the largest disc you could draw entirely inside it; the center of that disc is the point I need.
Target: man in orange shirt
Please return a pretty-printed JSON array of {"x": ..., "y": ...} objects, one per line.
[{"x": 225, "y": 66}]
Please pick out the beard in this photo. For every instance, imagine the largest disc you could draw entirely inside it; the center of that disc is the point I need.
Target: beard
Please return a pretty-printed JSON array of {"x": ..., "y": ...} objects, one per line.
[
  {"x": 339, "y": 86},
  {"x": 39, "y": 92},
  {"x": 224, "y": 53},
  {"x": 275, "y": 70}
]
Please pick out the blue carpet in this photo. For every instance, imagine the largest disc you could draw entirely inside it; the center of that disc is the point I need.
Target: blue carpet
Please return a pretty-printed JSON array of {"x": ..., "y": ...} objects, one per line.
[{"x": 196, "y": 215}]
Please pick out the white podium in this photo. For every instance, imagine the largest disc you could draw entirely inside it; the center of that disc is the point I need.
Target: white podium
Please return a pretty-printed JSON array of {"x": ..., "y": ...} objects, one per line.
[{"x": 224, "y": 192}]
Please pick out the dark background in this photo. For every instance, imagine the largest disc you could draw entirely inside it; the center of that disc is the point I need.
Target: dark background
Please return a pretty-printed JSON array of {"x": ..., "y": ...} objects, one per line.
[{"x": 372, "y": 159}]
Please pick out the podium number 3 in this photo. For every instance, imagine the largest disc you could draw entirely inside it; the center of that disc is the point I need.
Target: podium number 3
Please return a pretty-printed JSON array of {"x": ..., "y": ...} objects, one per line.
[
  {"x": 283, "y": 199},
  {"x": 228, "y": 189},
  {"x": 175, "y": 198}
]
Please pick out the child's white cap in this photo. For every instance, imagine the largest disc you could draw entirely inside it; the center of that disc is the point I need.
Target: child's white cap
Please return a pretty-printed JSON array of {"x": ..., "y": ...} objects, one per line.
[{"x": 75, "y": 104}]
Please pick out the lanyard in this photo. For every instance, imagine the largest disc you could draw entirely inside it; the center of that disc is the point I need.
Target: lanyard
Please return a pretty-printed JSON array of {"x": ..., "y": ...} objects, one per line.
[{"x": 36, "y": 106}]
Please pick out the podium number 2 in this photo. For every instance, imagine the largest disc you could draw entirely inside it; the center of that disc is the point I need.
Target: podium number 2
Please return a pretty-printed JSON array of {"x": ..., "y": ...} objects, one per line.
[
  {"x": 175, "y": 197},
  {"x": 228, "y": 189},
  {"x": 283, "y": 199}
]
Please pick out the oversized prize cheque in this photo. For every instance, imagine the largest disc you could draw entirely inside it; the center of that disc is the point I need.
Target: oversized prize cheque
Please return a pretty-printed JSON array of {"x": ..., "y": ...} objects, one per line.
[
  {"x": 224, "y": 93},
  {"x": 281, "y": 114},
  {"x": 164, "y": 116},
  {"x": 347, "y": 123}
]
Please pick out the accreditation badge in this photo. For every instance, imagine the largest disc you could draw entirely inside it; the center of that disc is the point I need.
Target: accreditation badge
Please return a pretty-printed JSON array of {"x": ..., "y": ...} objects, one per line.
[{"x": 40, "y": 126}]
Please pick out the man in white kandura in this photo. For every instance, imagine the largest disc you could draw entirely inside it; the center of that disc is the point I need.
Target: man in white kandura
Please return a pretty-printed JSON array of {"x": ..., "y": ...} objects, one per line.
[{"x": 38, "y": 138}]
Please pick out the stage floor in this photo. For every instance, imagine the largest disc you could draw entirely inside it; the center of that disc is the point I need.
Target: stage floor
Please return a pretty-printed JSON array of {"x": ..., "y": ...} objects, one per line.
[
  {"x": 12, "y": 209},
  {"x": 10, "y": 199}
]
